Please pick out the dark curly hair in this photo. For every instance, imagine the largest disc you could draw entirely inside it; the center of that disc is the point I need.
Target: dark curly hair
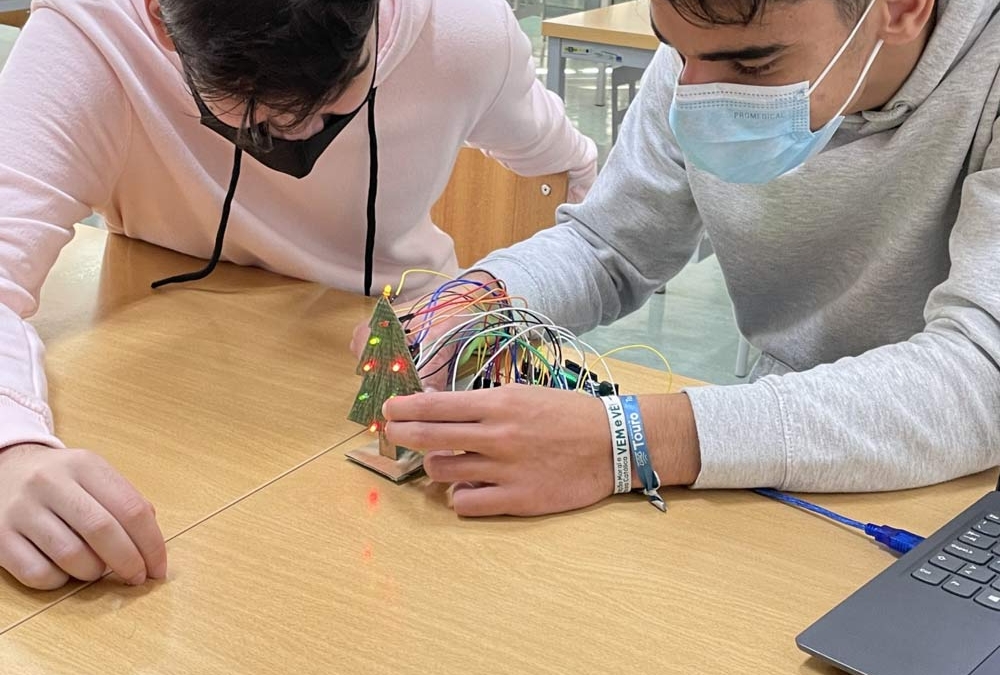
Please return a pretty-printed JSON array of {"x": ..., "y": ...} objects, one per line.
[
  {"x": 291, "y": 56},
  {"x": 744, "y": 12}
]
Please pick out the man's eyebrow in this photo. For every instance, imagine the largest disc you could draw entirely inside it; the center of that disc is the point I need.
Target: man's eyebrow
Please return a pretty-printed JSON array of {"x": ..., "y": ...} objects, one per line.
[
  {"x": 744, "y": 53},
  {"x": 751, "y": 53}
]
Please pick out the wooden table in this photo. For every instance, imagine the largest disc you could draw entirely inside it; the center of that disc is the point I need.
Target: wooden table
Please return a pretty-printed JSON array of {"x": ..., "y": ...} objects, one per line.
[
  {"x": 198, "y": 394},
  {"x": 619, "y": 35},
  {"x": 224, "y": 403}
]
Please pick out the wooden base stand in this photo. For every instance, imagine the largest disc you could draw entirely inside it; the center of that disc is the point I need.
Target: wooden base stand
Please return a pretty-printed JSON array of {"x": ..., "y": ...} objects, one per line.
[{"x": 391, "y": 461}]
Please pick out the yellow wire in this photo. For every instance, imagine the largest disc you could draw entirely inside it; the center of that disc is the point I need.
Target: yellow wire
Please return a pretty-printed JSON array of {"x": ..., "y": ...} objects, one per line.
[
  {"x": 402, "y": 279},
  {"x": 670, "y": 371}
]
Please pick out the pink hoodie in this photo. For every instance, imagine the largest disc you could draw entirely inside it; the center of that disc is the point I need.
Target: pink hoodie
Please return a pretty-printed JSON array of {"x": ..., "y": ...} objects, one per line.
[{"x": 96, "y": 116}]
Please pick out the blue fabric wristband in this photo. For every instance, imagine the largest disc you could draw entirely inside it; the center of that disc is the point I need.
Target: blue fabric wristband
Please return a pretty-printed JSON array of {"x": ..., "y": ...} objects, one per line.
[{"x": 640, "y": 453}]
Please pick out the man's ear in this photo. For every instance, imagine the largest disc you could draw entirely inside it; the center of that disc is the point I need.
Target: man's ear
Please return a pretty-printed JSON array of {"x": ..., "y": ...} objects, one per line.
[
  {"x": 904, "y": 21},
  {"x": 159, "y": 27}
]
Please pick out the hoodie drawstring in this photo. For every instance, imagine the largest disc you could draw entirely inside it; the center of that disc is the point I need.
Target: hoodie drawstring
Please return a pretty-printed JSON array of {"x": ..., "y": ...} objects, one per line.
[
  {"x": 220, "y": 235},
  {"x": 227, "y": 205},
  {"x": 372, "y": 194}
]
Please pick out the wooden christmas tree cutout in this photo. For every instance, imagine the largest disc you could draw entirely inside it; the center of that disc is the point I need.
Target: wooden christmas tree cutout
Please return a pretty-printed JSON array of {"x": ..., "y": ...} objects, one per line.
[{"x": 388, "y": 370}]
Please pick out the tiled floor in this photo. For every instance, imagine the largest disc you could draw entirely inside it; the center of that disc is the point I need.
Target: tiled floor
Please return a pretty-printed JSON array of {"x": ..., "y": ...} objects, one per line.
[{"x": 692, "y": 324}]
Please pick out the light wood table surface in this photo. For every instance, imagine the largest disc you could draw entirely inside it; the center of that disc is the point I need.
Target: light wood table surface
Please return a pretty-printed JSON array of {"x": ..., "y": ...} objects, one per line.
[
  {"x": 199, "y": 393},
  {"x": 619, "y": 35},
  {"x": 329, "y": 569}
]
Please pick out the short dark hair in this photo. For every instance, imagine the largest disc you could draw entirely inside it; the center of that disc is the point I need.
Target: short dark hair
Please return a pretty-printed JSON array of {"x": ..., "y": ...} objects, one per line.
[
  {"x": 744, "y": 12},
  {"x": 292, "y": 56}
]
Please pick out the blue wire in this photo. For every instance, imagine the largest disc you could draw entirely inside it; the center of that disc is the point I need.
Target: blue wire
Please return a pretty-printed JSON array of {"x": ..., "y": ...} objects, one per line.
[
  {"x": 802, "y": 504},
  {"x": 893, "y": 538},
  {"x": 437, "y": 296}
]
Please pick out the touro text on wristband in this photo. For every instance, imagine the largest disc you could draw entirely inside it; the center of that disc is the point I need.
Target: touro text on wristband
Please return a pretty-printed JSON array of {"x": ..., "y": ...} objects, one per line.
[{"x": 640, "y": 453}]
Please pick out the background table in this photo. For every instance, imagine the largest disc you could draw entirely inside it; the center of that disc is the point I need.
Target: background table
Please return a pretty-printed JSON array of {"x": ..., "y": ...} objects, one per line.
[{"x": 619, "y": 35}]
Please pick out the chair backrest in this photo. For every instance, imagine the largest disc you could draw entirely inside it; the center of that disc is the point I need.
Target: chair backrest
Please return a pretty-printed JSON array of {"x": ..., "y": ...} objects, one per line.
[
  {"x": 7, "y": 36},
  {"x": 486, "y": 206}
]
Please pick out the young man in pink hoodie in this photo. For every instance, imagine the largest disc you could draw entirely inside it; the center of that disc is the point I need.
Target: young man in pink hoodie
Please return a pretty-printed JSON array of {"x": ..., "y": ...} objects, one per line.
[{"x": 322, "y": 131}]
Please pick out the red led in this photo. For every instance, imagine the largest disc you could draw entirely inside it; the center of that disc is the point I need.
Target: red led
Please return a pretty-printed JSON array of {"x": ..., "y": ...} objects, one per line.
[
  {"x": 373, "y": 428},
  {"x": 367, "y": 368},
  {"x": 397, "y": 366}
]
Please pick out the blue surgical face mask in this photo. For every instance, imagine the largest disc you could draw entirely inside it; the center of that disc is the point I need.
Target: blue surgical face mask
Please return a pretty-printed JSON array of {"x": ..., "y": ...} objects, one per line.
[{"x": 753, "y": 134}]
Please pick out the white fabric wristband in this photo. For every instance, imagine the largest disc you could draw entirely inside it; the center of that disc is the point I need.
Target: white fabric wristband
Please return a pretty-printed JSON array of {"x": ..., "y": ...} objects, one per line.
[{"x": 621, "y": 454}]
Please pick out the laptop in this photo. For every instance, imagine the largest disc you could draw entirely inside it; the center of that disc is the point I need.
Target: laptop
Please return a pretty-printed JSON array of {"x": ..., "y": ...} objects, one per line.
[{"x": 935, "y": 611}]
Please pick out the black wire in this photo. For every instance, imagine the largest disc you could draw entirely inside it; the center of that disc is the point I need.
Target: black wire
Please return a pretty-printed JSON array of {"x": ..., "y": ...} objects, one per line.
[
  {"x": 220, "y": 235},
  {"x": 372, "y": 194}
]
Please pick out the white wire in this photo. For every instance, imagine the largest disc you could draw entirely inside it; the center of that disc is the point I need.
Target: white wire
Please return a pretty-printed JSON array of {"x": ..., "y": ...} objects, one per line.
[{"x": 512, "y": 315}]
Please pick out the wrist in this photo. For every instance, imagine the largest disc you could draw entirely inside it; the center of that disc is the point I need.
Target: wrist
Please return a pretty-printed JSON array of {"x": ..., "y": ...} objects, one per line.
[
  {"x": 673, "y": 439},
  {"x": 25, "y": 446},
  {"x": 621, "y": 455},
  {"x": 20, "y": 449}
]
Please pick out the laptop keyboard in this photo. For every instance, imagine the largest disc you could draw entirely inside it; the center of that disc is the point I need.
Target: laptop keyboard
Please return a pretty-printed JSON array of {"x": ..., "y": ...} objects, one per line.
[{"x": 968, "y": 567}]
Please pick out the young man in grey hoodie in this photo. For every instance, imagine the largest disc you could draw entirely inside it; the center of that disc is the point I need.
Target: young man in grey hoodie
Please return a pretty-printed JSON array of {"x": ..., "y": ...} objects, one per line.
[{"x": 841, "y": 155}]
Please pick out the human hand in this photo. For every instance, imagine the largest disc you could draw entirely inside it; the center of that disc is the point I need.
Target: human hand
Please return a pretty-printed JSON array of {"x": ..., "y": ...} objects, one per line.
[
  {"x": 68, "y": 513},
  {"x": 533, "y": 450},
  {"x": 529, "y": 450}
]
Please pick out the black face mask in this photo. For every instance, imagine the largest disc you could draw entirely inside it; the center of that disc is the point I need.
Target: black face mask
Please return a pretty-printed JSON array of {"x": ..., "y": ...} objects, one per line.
[
  {"x": 293, "y": 158},
  {"x": 298, "y": 159}
]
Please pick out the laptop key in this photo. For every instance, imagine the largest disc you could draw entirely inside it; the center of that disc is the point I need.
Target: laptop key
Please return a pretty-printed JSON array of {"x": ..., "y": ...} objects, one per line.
[
  {"x": 968, "y": 553},
  {"x": 961, "y": 587},
  {"x": 978, "y": 540},
  {"x": 930, "y": 575},
  {"x": 977, "y": 573},
  {"x": 988, "y": 527},
  {"x": 989, "y": 598},
  {"x": 993, "y": 517},
  {"x": 949, "y": 562}
]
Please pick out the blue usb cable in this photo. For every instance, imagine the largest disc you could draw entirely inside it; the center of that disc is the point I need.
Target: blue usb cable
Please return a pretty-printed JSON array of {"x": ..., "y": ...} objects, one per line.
[{"x": 893, "y": 538}]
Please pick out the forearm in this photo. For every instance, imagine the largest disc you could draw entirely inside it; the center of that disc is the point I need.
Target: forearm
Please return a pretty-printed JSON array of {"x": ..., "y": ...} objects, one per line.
[
  {"x": 673, "y": 439},
  {"x": 900, "y": 416},
  {"x": 637, "y": 229}
]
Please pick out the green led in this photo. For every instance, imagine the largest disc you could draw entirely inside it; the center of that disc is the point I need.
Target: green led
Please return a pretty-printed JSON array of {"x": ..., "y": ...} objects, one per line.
[
  {"x": 364, "y": 397},
  {"x": 374, "y": 341}
]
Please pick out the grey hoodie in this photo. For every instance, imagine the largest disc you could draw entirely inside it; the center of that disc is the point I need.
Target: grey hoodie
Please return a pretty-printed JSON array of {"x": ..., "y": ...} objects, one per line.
[{"x": 869, "y": 277}]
